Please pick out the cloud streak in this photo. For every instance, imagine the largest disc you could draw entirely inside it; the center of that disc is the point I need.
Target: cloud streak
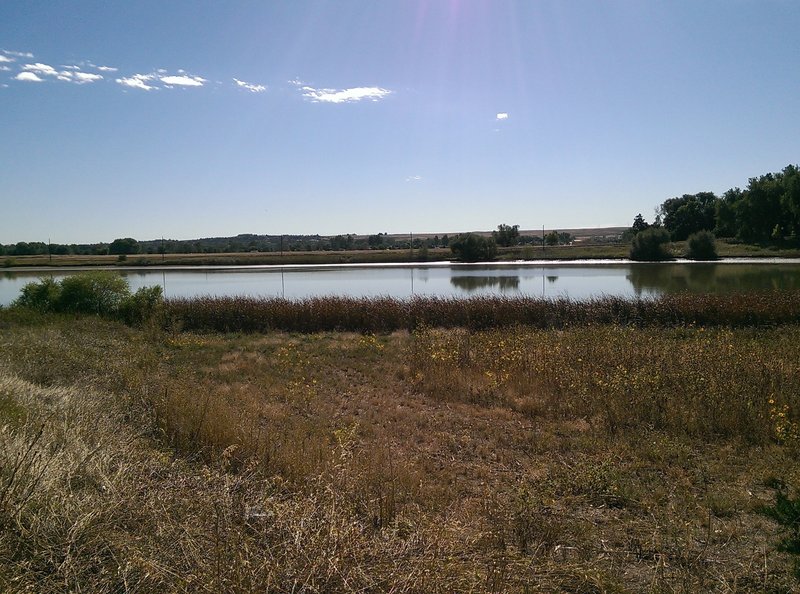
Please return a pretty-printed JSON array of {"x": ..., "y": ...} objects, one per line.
[
  {"x": 39, "y": 68},
  {"x": 19, "y": 68},
  {"x": 501, "y": 116},
  {"x": 183, "y": 80},
  {"x": 71, "y": 74},
  {"x": 137, "y": 81},
  {"x": 86, "y": 77},
  {"x": 151, "y": 81},
  {"x": 351, "y": 95},
  {"x": 17, "y": 54},
  {"x": 249, "y": 86}
]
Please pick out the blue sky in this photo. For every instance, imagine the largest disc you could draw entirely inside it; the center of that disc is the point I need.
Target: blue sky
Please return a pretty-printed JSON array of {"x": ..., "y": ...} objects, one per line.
[{"x": 195, "y": 118}]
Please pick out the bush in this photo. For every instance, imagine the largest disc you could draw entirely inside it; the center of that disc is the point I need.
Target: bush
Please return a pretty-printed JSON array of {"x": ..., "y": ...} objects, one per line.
[
  {"x": 470, "y": 247},
  {"x": 41, "y": 296},
  {"x": 101, "y": 293},
  {"x": 650, "y": 245},
  {"x": 786, "y": 512},
  {"x": 93, "y": 293},
  {"x": 141, "y": 306},
  {"x": 702, "y": 246}
]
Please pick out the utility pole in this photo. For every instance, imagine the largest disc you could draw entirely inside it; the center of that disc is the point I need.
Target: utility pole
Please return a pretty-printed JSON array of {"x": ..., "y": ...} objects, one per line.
[
  {"x": 411, "y": 246},
  {"x": 49, "y": 251}
]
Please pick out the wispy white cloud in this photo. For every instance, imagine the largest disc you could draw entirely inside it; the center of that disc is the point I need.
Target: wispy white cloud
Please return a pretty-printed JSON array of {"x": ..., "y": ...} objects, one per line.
[
  {"x": 17, "y": 54},
  {"x": 253, "y": 88},
  {"x": 28, "y": 77},
  {"x": 149, "y": 82},
  {"x": 183, "y": 80},
  {"x": 414, "y": 178},
  {"x": 71, "y": 74},
  {"x": 138, "y": 81},
  {"x": 501, "y": 116},
  {"x": 351, "y": 95},
  {"x": 82, "y": 78},
  {"x": 84, "y": 72},
  {"x": 39, "y": 68}
]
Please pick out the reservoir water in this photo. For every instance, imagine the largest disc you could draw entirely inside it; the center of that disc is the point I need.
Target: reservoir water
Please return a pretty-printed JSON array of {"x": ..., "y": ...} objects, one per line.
[{"x": 576, "y": 280}]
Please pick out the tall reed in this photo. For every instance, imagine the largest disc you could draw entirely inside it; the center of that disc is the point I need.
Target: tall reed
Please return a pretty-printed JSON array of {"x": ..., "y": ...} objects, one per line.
[{"x": 386, "y": 314}]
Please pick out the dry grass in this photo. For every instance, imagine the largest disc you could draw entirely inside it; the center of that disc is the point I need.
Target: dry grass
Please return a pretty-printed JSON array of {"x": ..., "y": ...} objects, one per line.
[
  {"x": 386, "y": 314},
  {"x": 589, "y": 459}
]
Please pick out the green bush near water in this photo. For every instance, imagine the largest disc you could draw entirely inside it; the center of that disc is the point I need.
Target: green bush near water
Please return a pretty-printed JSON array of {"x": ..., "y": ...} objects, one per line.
[
  {"x": 100, "y": 293},
  {"x": 650, "y": 245},
  {"x": 702, "y": 246}
]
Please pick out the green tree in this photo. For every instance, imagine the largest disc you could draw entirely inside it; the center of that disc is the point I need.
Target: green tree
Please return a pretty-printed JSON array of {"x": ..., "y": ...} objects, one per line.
[
  {"x": 126, "y": 245},
  {"x": 702, "y": 246},
  {"x": 725, "y": 217},
  {"x": 790, "y": 200},
  {"x": 650, "y": 245},
  {"x": 689, "y": 213},
  {"x": 469, "y": 247},
  {"x": 506, "y": 235},
  {"x": 22, "y": 249},
  {"x": 639, "y": 224}
]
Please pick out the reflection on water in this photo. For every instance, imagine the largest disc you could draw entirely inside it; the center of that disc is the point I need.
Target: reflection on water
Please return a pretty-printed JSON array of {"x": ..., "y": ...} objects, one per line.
[
  {"x": 470, "y": 284},
  {"x": 712, "y": 278},
  {"x": 576, "y": 281}
]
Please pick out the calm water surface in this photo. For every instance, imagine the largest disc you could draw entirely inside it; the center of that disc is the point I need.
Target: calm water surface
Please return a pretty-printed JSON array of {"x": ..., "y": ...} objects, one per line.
[{"x": 575, "y": 280}]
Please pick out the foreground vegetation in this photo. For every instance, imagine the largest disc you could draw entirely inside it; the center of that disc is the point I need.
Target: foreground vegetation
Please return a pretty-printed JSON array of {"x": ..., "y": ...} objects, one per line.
[
  {"x": 579, "y": 453},
  {"x": 386, "y": 314}
]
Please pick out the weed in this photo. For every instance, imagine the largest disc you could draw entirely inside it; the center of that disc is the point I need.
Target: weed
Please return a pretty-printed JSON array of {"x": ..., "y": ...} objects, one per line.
[{"x": 786, "y": 512}]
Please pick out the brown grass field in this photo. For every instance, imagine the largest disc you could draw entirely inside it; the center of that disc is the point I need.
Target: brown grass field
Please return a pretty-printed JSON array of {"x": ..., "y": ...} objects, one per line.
[{"x": 591, "y": 458}]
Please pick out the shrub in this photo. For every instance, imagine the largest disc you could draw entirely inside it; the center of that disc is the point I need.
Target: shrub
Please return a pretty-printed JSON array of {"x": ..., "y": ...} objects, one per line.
[
  {"x": 41, "y": 296},
  {"x": 702, "y": 246},
  {"x": 786, "y": 512},
  {"x": 101, "y": 293},
  {"x": 93, "y": 293},
  {"x": 650, "y": 245},
  {"x": 470, "y": 247},
  {"x": 142, "y": 305}
]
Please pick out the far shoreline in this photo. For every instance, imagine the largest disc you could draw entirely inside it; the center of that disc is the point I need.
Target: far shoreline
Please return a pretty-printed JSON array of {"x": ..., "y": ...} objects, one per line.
[{"x": 546, "y": 263}]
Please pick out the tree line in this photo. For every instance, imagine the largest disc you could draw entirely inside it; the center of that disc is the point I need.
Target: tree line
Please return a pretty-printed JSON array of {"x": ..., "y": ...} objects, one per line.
[
  {"x": 504, "y": 236},
  {"x": 766, "y": 211}
]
